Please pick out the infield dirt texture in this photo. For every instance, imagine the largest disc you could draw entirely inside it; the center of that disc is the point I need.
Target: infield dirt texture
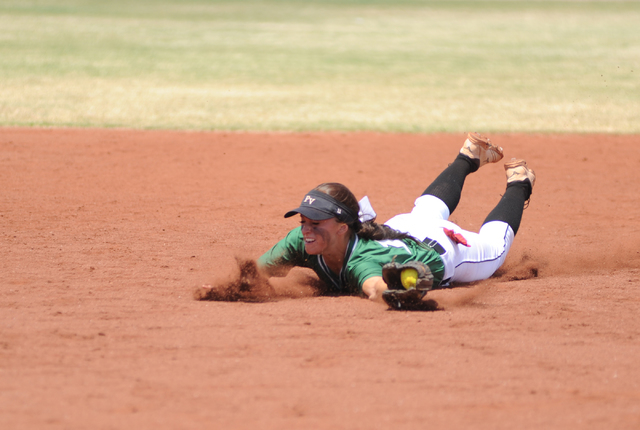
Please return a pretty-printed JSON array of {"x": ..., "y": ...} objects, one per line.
[{"x": 106, "y": 234}]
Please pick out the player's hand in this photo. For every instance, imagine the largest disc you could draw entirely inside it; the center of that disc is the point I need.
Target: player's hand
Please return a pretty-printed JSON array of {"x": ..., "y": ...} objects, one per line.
[{"x": 373, "y": 288}]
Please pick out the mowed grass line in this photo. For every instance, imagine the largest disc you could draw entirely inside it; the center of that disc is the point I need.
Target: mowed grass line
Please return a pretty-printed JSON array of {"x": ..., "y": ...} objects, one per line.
[{"x": 313, "y": 65}]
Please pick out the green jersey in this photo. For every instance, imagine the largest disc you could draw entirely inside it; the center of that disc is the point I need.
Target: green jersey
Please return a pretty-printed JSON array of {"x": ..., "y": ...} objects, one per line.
[{"x": 364, "y": 259}]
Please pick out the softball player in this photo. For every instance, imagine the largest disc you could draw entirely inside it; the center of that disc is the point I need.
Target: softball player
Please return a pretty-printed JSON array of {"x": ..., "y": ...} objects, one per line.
[{"x": 340, "y": 241}]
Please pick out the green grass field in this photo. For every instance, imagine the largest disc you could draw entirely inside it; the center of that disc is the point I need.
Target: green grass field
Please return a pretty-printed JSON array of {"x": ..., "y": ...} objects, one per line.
[{"x": 386, "y": 65}]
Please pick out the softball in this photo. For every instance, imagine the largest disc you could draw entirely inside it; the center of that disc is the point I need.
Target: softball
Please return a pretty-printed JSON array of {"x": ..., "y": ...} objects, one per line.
[{"x": 409, "y": 278}]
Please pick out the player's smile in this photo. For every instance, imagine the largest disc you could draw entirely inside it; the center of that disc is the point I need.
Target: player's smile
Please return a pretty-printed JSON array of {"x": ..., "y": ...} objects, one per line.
[{"x": 318, "y": 235}]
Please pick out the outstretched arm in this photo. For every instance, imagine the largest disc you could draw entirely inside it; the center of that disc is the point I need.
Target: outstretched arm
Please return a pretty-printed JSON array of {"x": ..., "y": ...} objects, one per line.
[
  {"x": 277, "y": 271},
  {"x": 283, "y": 256}
]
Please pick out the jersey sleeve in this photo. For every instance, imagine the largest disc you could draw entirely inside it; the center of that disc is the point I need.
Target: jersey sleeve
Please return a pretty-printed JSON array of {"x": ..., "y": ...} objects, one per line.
[
  {"x": 369, "y": 258},
  {"x": 287, "y": 252},
  {"x": 364, "y": 271}
]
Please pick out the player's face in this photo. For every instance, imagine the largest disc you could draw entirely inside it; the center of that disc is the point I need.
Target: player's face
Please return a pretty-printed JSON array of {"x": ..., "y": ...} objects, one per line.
[{"x": 319, "y": 236}]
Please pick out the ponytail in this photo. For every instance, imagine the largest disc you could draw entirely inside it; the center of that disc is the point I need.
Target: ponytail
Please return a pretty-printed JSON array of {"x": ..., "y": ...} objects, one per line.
[
  {"x": 369, "y": 230},
  {"x": 373, "y": 231}
]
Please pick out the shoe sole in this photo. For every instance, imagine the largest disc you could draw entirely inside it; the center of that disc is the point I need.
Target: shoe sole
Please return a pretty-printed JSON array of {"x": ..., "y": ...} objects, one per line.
[
  {"x": 485, "y": 143},
  {"x": 514, "y": 162},
  {"x": 479, "y": 139}
]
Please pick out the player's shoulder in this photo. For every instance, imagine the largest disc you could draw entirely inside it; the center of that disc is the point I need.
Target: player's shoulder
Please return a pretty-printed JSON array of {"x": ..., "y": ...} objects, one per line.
[
  {"x": 293, "y": 241},
  {"x": 295, "y": 233}
]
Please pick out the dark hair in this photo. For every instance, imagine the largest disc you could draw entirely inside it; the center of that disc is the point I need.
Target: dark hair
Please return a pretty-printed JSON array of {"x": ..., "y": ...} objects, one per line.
[{"x": 365, "y": 230}]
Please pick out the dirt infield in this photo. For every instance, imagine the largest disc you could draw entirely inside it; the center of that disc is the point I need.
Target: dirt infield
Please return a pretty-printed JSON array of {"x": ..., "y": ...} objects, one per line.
[{"x": 106, "y": 234}]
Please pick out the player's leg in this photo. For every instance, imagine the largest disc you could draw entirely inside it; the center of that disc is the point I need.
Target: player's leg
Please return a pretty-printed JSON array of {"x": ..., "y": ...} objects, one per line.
[
  {"x": 488, "y": 249},
  {"x": 520, "y": 181},
  {"x": 475, "y": 153},
  {"x": 441, "y": 197}
]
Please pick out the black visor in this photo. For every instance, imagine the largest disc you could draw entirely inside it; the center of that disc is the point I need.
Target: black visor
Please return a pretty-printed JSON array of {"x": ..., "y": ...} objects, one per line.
[{"x": 319, "y": 206}]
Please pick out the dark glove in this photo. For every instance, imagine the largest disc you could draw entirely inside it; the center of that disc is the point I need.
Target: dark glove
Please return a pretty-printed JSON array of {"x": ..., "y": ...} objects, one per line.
[
  {"x": 398, "y": 297},
  {"x": 392, "y": 275}
]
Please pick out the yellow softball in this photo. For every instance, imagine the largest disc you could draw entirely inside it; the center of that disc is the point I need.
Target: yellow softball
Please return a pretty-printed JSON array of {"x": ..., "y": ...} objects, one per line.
[{"x": 409, "y": 278}]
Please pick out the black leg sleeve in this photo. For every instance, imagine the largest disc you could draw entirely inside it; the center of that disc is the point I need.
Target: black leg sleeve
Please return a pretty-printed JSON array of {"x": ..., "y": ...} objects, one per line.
[
  {"x": 509, "y": 209},
  {"x": 448, "y": 185}
]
